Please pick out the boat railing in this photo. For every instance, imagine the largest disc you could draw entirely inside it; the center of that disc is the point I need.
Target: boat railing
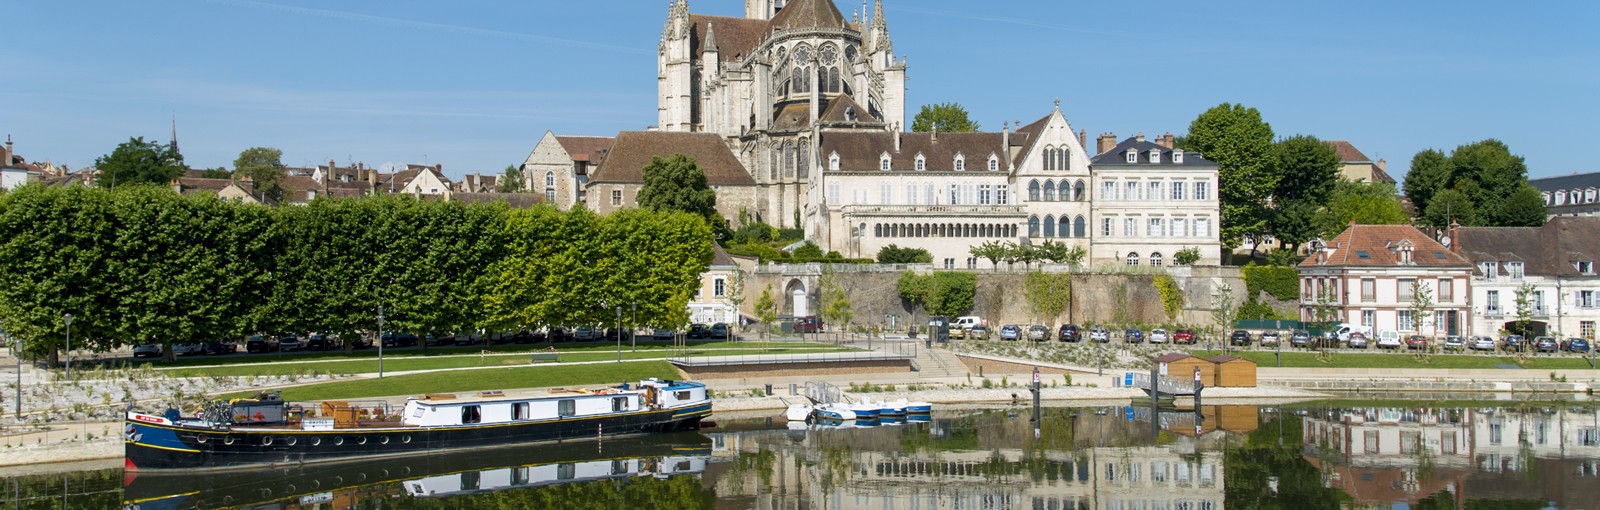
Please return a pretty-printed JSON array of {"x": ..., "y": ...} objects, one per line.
[{"x": 352, "y": 414}]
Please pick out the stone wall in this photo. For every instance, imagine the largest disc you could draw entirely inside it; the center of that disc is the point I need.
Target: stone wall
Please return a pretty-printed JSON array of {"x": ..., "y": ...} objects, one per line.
[{"x": 776, "y": 370}]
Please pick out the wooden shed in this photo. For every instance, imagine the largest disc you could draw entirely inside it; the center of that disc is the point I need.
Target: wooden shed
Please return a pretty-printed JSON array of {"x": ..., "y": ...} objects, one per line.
[
  {"x": 1181, "y": 366},
  {"x": 1238, "y": 419},
  {"x": 1233, "y": 372}
]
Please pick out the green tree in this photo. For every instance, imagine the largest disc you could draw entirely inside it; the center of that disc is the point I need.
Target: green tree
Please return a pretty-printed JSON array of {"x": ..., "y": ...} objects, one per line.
[
  {"x": 1307, "y": 170},
  {"x": 140, "y": 162},
  {"x": 947, "y": 117},
  {"x": 766, "y": 310},
  {"x": 512, "y": 181},
  {"x": 1449, "y": 205},
  {"x": 676, "y": 183},
  {"x": 1490, "y": 175},
  {"x": 1240, "y": 143},
  {"x": 1224, "y": 308},
  {"x": 1187, "y": 256},
  {"x": 264, "y": 167},
  {"x": 1171, "y": 295},
  {"x": 893, "y": 254},
  {"x": 1524, "y": 208},
  {"x": 835, "y": 303},
  {"x": 1048, "y": 295},
  {"x": 216, "y": 173},
  {"x": 736, "y": 296},
  {"x": 56, "y": 257},
  {"x": 951, "y": 293},
  {"x": 1363, "y": 203},
  {"x": 994, "y": 251},
  {"x": 1430, "y": 173},
  {"x": 1421, "y": 305},
  {"x": 1524, "y": 302}
]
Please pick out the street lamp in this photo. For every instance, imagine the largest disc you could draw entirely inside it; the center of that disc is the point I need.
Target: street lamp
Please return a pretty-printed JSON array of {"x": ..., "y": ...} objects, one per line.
[
  {"x": 380, "y": 341},
  {"x": 633, "y": 336},
  {"x": 619, "y": 334},
  {"x": 68, "y": 319}
]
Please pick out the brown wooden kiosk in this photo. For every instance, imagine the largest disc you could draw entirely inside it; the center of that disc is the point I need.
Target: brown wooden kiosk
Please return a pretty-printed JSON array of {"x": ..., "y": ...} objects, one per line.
[
  {"x": 1181, "y": 366},
  {"x": 1232, "y": 372}
]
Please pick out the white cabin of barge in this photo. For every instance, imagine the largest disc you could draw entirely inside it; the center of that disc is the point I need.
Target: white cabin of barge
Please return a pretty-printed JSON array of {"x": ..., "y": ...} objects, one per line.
[{"x": 451, "y": 411}]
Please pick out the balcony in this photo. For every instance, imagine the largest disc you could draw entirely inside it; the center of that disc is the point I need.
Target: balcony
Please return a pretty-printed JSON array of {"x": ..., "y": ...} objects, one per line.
[{"x": 986, "y": 211}]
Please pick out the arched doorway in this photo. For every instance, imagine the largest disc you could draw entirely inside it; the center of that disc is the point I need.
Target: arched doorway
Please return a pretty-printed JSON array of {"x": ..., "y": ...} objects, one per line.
[{"x": 799, "y": 302}]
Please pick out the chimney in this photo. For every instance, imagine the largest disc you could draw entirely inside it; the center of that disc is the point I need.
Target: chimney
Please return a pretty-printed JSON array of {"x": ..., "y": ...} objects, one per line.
[
  {"x": 1141, "y": 137},
  {"x": 935, "y": 132},
  {"x": 1005, "y": 140},
  {"x": 6, "y": 160},
  {"x": 1383, "y": 165},
  {"x": 1165, "y": 141},
  {"x": 1455, "y": 236},
  {"x": 372, "y": 178},
  {"x": 1105, "y": 143},
  {"x": 177, "y": 186},
  {"x": 1083, "y": 138}
]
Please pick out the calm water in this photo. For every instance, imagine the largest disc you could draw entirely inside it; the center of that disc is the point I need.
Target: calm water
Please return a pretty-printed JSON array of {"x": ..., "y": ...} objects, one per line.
[{"x": 1115, "y": 458}]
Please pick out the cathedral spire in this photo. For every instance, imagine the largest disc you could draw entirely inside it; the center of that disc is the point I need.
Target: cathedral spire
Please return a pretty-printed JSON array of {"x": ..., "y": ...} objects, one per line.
[
  {"x": 174, "y": 134},
  {"x": 711, "y": 37},
  {"x": 880, "y": 30}
]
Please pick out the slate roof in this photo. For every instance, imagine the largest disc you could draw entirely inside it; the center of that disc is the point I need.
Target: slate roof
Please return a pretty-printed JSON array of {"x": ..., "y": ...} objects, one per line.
[
  {"x": 201, "y": 184},
  {"x": 1027, "y": 136},
  {"x": 633, "y": 150},
  {"x": 719, "y": 257},
  {"x": 836, "y": 109},
  {"x": 736, "y": 37},
  {"x": 807, "y": 14},
  {"x": 1550, "y": 250},
  {"x": 1118, "y": 156},
  {"x": 1380, "y": 244},
  {"x": 1348, "y": 153},
  {"x": 860, "y": 151},
  {"x": 586, "y": 148}
]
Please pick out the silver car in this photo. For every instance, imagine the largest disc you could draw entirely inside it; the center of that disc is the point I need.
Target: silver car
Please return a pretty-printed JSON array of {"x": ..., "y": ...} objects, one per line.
[
  {"x": 1100, "y": 334},
  {"x": 1270, "y": 338},
  {"x": 1038, "y": 333},
  {"x": 1481, "y": 343},
  {"x": 1158, "y": 336}
]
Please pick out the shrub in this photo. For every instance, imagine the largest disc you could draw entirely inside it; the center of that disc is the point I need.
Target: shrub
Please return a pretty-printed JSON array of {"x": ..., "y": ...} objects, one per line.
[
  {"x": 789, "y": 235},
  {"x": 808, "y": 252},
  {"x": 892, "y": 254},
  {"x": 1279, "y": 281},
  {"x": 1187, "y": 256}
]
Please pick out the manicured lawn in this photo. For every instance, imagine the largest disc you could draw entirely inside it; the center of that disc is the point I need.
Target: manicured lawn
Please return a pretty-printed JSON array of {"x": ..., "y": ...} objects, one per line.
[
  {"x": 1401, "y": 360},
  {"x": 466, "y": 359},
  {"x": 467, "y": 381},
  {"x": 436, "y": 351}
]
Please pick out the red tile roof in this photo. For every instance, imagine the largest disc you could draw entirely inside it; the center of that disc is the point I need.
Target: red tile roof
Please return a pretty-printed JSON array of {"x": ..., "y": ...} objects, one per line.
[
  {"x": 585, "y": 148},
  {"x": 634, "y": 150},
  {"x": 1380, "y": 246}
]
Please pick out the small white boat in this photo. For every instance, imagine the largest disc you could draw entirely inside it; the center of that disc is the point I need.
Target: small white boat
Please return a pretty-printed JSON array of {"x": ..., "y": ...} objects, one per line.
[
  {"x": 839, "y": 412},
  {"x": 895, "y": 408},
  {"x": 918, "y": 408},
  {"x": 798, "y": 412},
  {"x": 865, "y": 409}
]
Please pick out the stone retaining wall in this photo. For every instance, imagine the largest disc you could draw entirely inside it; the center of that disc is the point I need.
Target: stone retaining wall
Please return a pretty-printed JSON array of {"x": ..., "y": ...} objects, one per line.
[
  {"x": 775, "y": 370},
  {"x": 1438, "y": 386}
]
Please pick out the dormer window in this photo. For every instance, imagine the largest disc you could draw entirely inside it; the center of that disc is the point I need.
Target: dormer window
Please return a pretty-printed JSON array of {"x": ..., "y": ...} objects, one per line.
[
  {"x": 961, "y": 163},
  {"x": 1546, "y": 196},
  {"x": 1133, "y": 156},
  {"x": 833, "y": 161},
  {"x": 1584, "y": 266},
  {"x": 1177, "y": 155},
  {"x": 1404, "y": 252},
  {"x": 883, "y": 162},
  {"x": 1155, "y": 157},
  {"x": 1561, "y": 198},
  {"x": 994, "y": 163},
  {"x": 1515, "y": 268},
  {"x": 922, "y": 163},
  {"x": 1589, "y": 196}
]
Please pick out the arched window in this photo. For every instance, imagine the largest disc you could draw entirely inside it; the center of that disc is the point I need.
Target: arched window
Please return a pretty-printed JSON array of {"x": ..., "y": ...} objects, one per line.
[
  {"x": 777, "y": 160},
  {"x": 1061, "y": 163},
  {"x": 883, "y": 161},
  {"x": 1049, "y": 191},
  {"x": 833, "y": 80},
  {"x": 1066, "y": 226},
  {"x": 1033, "y": 226},
  {"x": 877, "y": 230},
  {"x": 1155, "y": 259},
  {"x": 994, "y": 163},
  {"x": 1049, "y": 226},
  {"x": 549, "y": 179},
  {"x": 1133, "y": 259},
  {"x": 801, "y": 76},
  {"x": 961, "y": 163},
  {"x": 833, "y": 161},
  {"x": 1077, "y": 191},
  {"x": 1049, "y": 158},
  {"x": 1079, "y": 228},
  {"x": 1033, "y": 191},
  {"x": 804, "y": 166},
  {"x": 788, "y": 159},
  {"x": 922, "y": 163}
]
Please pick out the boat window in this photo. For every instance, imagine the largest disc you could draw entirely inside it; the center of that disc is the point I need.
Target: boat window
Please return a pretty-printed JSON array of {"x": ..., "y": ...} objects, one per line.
[
  {"x": 619, "y": 467},
  {"x": 519, "y": 410},
  {"x": 567, "y": 407},
  {"x": 619, "y": 403},
  {"x": 566, "y": 471},
  {"x": 682, "y": 395},
  {"x": 470, "y": 414}
]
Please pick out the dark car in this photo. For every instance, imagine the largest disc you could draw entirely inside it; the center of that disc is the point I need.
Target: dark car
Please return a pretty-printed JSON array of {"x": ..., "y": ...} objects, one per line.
[
  {"x": 1416, "y": 342},
  {"x": 260, "y": 343},
  {"x": 1239, "y": 337},
  {"x": 558, "y": 335},
  {"x": 221, "y": 347},
  {"x": 1579, "y": 345},
  {"x": 399, "y": 339},
  {"x": 1069, "y": 333},
  {"x": 1513, "y": 343},
  {"x": 1300, "y": 338},
  {"x": 808, "y": 324},
  {"x": 323, "y": 343},
  {"x": 1183, "y": 336},
  {"x": 1132, "y": 335},
  {"x": 719, "y": 330},
  {"x": 1546, "y": 344},
  {"x": 698, "y": 331}
]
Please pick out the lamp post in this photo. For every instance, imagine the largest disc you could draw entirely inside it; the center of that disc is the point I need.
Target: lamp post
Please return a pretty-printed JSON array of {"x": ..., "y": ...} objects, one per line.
[
  {"x": 68, "y": 319},
  {"x": 380, "y": 341},
  {"x": 633, "y": 336},
  {"x": 619, "y": 334}
]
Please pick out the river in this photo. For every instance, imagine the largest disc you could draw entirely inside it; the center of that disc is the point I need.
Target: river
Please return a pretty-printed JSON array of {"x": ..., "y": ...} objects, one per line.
[{"x": 1312, "y": 455}]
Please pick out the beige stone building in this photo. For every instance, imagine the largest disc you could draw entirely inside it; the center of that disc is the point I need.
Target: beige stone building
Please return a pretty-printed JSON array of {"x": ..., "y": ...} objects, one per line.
[
  {"x": 559, "y": 167},
  {"x": 1356, "y": 166},
  {"x": 615, "y": 185},
  {"x": 1151, "y": 201}
]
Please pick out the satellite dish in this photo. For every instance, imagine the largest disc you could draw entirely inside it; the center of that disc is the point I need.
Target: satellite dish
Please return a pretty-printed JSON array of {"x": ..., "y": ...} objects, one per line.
[{"x": 1445, "y": 241}]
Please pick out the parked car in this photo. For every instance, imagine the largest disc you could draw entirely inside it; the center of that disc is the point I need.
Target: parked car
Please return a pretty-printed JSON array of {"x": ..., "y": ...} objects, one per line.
[
  {"x": 1158, "y": 336},
  {"x": 957, "y": 333},
  {"x": 1270, "y": 338},
  {"x": 1579, "y": 345},
  {"x": 1183, "y": 336},
  {"x": 1132, "y": 335},
  {"x": 1513, "y": 343},
  {"x": 322, "y": 343},
  {"x": 1239, "y": 337},
  {"x": 221, "y": 347},
  {"x": 1546, "y": 344},
  {"x": 147, "y": 350},
  {"x": 1300, "y": 338},
  {"x": 695, "y": 331},
  {"x": 978, "y": 332},
  {"x": 1454, "y": 343},
  {"x": 291, "y": 343},
  {"x": 719, "y": 330},
  {"x": 1099, "y": 334},
  {"x": 259, "y": 343},
  {"x": 662, "y": 334},
  {"x": 1481, "y": 343},
  {"x": 1356, "y": 340},
  {"x": 966, "y": 323},
  {"x": 589, "y": 333},
  {"x": 1010, "y": 332},
  {"x": 400, "y": 339},
  {"x": 809, "y": 324},
  {"x": 1416, "y": 343},
  {"x": 1038, "y": 333},
  {"x": 1388, "y": 339},
  {"x": 1068, "y": 333},
  {"x": 465, "y": 339}
]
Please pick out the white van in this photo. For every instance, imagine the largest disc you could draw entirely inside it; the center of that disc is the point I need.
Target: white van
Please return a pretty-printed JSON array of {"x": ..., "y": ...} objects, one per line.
[
  {"x": 967, "y": 322},
  {"x": 1345, "y": 329}
]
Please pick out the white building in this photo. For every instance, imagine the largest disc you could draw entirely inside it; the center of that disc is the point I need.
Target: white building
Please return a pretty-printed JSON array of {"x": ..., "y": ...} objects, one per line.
[
  {"x": 1372, "y": 275},
  {"x": 1551, "y": 267},
  {"x": 711, "y": 303},
  {"x": 1151, "y": 201}
]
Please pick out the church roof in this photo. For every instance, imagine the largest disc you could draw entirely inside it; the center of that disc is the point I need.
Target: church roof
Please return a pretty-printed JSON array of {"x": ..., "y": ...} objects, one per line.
[
  {"x": 585, "y": 148},
  {"x": 793, "y": 117},
  {"x": 736, "y": 37},
  {"x": 1118, "y": 155},
  {"x": 859, "y": 151},
  {"x": 1028, "y": 135},
  {"x": 808, "y": 14},
  {"x": 843, "y": 107},
  {"x": 633, "y": 151}
]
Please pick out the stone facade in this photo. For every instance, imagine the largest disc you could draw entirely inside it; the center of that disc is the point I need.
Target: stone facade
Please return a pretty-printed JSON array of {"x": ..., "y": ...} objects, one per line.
[{"x": 1369, "y": 274}]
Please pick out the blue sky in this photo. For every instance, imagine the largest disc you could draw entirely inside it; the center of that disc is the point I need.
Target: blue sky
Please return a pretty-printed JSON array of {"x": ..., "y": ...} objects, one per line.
[{"x": 472, "y": 85}]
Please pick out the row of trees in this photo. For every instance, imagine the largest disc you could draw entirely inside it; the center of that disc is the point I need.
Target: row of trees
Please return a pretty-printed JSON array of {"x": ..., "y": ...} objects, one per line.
[
  {"x": 1478, "y": 184},
  {"x": 142, "y": 264}
]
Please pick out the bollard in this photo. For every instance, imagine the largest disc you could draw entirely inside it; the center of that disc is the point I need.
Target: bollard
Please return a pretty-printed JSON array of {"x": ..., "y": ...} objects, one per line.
[
  {"x": 769, "y": 390},
  {"x": 794, "y": 389}
]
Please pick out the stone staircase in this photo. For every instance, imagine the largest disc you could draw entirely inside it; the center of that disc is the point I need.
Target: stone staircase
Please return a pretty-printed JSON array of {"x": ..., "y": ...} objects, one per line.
[{"x": 939, "y": 363}]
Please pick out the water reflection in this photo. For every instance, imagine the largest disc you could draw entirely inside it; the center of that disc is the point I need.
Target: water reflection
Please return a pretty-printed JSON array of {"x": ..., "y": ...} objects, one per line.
[{"x": 1320, "y": 455}]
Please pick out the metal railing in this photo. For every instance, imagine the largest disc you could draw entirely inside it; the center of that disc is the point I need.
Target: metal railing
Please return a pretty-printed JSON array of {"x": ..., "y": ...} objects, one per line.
[{"x": 1165, "y": 385}]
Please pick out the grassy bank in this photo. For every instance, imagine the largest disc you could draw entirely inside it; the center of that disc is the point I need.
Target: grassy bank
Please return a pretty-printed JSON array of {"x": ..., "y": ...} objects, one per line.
[
  {"x": 469, "y": 381},
  {"x": 478, "y": 359},
  {"x": 1402, "y": 360}
]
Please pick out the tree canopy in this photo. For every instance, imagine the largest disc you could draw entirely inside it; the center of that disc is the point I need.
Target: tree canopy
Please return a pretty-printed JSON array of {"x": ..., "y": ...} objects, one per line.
[
  {"x": 512, "y": 180},
  {"x": 1492, "y": 180},
  {"x": 140, "y": 162},
  {"x": 1240, "y": 143},
  {"x": 264, "y": 167},
  {"x": 893, "y": 254},
  {"x": 1364, "y": 203},
  {"x": 677, "y": 183},
  {"x": 1307, "y": 170},
  {"x": 948, "y": 117}
]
